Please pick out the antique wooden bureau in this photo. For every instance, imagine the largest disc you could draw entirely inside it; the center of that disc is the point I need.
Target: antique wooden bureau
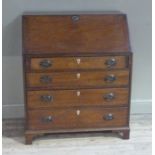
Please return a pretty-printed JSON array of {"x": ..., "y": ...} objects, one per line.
[{"x": 77, "y": 73}]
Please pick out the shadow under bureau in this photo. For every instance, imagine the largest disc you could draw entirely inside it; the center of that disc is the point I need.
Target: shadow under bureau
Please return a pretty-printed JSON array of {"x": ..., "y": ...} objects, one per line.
[{"x": 77, "y": 73}]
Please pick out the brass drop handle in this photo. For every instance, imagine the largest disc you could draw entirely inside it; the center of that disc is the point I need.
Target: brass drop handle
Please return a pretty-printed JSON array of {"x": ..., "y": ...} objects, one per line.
[
  {"x": 45, "y": 64},
  {"x": 75, "y": 18},
  {"x": 108, "y": 117},
  {"x": 109, "y": 96},
  {"x": 45, "y": 79},
  {"x": 47, "y": 119},
  {"x": 46, "y": 98},
  {"x": 111, "y": 62},
  {"x": 110, "y": 78}
]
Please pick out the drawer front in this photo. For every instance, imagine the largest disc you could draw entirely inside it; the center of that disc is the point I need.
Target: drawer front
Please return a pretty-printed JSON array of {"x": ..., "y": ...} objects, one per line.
[
  {"x": 83, "y": 97},
  {"x": 69, "y": 63},
  {"x": 73, "y": 80},
  {"x": 58, "y": 98},
  {"x": 52, "y": 119},
  {"x": 104, "y": 97},
  {"x": 102, "y": 117},
  {"x": 75, "y": 34},
  {"x": 78, "y": 118}
]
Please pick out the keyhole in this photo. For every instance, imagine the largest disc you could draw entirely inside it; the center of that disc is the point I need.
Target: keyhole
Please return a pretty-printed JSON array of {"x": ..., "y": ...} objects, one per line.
[
  {"x": 78, "y": 112},
  {"x": 78, "y": 93},
  {"x": 78, "y": 75},
  {"x": 78, "y": 60}
]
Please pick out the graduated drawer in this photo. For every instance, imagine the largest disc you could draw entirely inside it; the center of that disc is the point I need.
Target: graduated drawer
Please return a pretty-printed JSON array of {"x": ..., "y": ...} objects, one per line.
[
  {"x": 69, "y": 118},
  {"x": 71, "y": 63},
  {"x": 66, "y": 98},
  {"x": 68, "y": 80}
]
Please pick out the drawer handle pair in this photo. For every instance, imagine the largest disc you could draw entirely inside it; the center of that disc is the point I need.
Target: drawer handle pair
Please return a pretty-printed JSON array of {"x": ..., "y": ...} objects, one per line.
[
  {"x": 47, "y": 79},
  {"x": 45, "y": 64},
  {"x": 111, "y": 62},
  {"x": 49, "y": 119},
  {"x": 46, "y": 98}
]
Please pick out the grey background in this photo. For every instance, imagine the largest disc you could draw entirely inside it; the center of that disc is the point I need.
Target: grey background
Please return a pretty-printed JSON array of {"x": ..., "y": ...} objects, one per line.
[{"x": 139, "y": 19}]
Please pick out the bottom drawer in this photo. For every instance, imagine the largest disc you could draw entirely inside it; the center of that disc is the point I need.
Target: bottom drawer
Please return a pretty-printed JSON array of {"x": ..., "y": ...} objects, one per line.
[{"x": 71, "y": 118}]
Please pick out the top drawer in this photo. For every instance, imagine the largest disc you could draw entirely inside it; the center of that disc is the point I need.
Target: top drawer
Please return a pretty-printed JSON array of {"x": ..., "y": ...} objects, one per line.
[
  {"x": 75, "y": 33},
  {"x": 69, "y": 63}
]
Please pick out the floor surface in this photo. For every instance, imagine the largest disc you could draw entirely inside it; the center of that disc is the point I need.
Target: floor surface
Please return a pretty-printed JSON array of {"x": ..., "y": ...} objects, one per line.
[{"x": 80, "y": 144}]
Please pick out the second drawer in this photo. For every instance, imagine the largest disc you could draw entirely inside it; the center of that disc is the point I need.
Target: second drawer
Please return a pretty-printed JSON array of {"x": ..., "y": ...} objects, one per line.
[
  {"x": 72, "y": 80},
  {"x": 59, "y": 98}
]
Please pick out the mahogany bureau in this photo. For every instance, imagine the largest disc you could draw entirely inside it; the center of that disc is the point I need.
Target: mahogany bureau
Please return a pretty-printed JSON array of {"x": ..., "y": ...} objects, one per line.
[{"x": 77, "y": 73}]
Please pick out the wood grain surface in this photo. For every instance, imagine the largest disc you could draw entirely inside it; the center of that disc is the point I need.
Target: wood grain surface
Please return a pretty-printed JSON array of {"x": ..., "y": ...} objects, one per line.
[
  {"x": 61, "y": 34},
  {"x": 78, "y": 79},
  {"x": 81, "y": 97},
  {"x": 68, "y": 118},
  {"x": 71, "y": 63}
]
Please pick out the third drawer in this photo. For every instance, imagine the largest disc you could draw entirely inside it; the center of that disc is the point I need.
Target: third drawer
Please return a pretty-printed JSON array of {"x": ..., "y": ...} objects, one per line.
[
  {"x": 72, "y": 80},
  {"x": 84, "y": 97}
]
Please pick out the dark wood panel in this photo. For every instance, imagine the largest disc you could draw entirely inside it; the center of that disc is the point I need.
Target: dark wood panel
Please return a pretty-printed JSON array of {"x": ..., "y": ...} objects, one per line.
[
  {"x": 62, "y": 34},
  {"x": 67, "y": 98},
  {"x": 78, "y": 79},
  {"x": 68, "y": 63},
  {"x": 41, "y": 55},
  {"x": 77, "y": 118}
]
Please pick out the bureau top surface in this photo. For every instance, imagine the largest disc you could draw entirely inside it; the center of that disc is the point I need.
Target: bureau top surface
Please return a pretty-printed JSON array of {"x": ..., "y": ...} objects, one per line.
[{"x": 75, "y": 33}]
